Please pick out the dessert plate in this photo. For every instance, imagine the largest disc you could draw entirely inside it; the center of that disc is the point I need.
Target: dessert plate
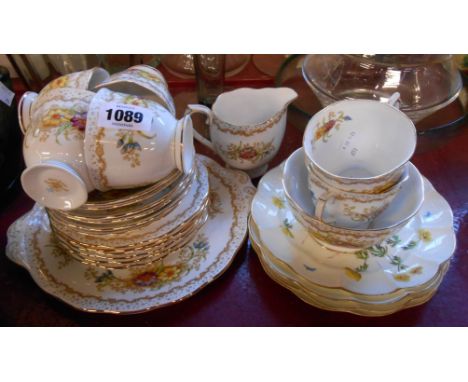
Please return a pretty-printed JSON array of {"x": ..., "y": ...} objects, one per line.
[
  {"x": 175, "y": 278},
  {"x": 409, "y": 258},
  {"x": 340, "y": 300}
]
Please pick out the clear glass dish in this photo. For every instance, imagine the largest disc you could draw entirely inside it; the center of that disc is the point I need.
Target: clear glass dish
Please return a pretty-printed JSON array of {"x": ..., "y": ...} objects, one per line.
[{"x": 426, "y": 82}]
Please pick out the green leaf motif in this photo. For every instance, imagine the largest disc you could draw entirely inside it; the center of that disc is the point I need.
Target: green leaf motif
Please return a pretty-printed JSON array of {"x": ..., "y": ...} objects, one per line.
[
  {"x": 410, "y": 245},
  {"x": 397, "y": 260},
  {"x": 378, "y": 250},
  {"x": 361, "y": 268},
  {"x": 393, "y": 241}
]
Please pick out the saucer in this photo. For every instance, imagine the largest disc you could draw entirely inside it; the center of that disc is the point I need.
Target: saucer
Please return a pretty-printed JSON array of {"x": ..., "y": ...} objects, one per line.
[
  {"x": 409, "y": 258},
  {"x": 401, "y": 209},
  {"x": 356, "y": 304},
  {"x": 180, "y": 275}
]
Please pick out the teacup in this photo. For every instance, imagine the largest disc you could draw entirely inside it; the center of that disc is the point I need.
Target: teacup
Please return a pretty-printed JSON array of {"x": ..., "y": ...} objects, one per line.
[
  {"x": 144, "y": 81},
  {"x": 403, "y": 207},
  {"x": 84, "y": 80},
  {"x": 359, "y": 146},
  {"x": 128, "y": 158},
  {"x": 246, "y": 126},
  {"x": 349, "y": 209},
  {"x": 56, "y": 174}
]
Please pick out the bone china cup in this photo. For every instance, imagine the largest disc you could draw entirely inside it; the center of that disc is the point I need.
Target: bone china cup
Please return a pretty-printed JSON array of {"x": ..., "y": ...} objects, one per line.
[
  {"x": 84, "y": 80},
  {"x": 126, "y": 158},
  {"x": 247, "y": 126},
  {"x": 349, "y": 209},
  {"x": 358, "y": 146},
  {"x": 403, "y": 207},
  {"x": 56, "y": 174},
  {"x": 144, "y": 81}
]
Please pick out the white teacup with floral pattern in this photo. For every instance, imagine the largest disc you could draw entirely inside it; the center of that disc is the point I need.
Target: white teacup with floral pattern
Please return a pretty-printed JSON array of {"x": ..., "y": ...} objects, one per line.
[
  {"x": 247, "y": 126},
  {"x": 123, "y": 158},
  {"x": 349, "y": 209},
  {"x": 359, "y": 147},
  {"x": 56, "y": 175},
  {"x": 84, "y": 80},
  {"x": 143, "y": 81}
]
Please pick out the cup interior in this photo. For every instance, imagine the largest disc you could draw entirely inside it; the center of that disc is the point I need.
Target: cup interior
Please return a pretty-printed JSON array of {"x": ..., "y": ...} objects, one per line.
[
  {"x": 406, "y": 203},
  {"x": 99, "y": 75},
  {"x": 244, "y": 107},
  {"x": 359, "y": 139}
]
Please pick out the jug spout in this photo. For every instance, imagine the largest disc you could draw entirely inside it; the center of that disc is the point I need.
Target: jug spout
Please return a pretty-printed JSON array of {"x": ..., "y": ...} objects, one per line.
[{"x": 286, "y": 95}]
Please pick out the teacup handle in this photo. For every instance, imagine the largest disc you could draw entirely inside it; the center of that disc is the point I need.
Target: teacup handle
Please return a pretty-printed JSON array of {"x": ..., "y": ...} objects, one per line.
[
  {"x": 322, "y": 203},
  {"x": 24, "y": 110},
  {"x": 193, "y": 109},
  {"x": 394, "y": 100}
]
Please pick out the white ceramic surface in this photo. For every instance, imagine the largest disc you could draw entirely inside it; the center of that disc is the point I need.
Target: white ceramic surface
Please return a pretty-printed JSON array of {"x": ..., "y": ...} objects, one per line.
[
  {"x": 143, "y": 81},
  {"x": 347, "y": 209},
  {"x": 402, "y": 208},
  {"x": 55, "y": 136},
  {"x": 84, "y": 80},
  {"x": 359, "y": 145},
  {"x": 247, "y": 126},
  {"x": 177, "y": 277},
  {"x": 410, "y": 257},
  {"x": 338, "y": 299},
  {"x": 144, "y": 157},
  {"x": 192, "y": 202}
]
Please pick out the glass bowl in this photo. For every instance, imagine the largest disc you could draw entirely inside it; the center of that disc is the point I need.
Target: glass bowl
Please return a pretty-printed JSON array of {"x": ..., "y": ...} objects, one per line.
[{"x": 426, "y": 82}]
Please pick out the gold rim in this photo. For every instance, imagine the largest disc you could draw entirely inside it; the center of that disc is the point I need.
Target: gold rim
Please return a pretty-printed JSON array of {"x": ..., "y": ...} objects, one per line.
[
  {"x": 215, "y": 170},
  {"x": 263, "y": 251}
]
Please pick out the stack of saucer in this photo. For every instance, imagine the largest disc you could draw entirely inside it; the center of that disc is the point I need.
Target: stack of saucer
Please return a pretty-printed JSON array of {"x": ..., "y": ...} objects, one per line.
[
  {"x": 132, "y": 229},
  {"x": 372, "y": 243}
]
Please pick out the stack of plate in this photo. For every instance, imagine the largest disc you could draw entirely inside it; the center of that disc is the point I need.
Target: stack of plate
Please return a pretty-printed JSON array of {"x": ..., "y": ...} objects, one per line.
[
  {"x": 131, "y": 228},
  {"x": 402, "y": 271}
]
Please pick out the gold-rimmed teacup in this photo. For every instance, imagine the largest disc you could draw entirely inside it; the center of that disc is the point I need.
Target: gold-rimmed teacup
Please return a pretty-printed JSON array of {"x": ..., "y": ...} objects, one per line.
[{"x": 403, "y": 207}]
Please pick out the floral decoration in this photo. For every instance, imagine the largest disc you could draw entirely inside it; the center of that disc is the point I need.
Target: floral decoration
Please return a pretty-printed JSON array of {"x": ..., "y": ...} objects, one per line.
[
  {"x": 60, "y": 82},
  {"x": 278, "y": 202},
  {"x": 367, "y": 213},
  {"x": 129, "y": 148},
  {"x": 286, "y": 227},
  {"x": 55, "y": 185},
  {"x": 248, "y": 152},
  {"x": 404, "y": 273},
  {"x": 66, "y": 122},
  {"x": 215, "y": 205},
  {"x": 324, "y": 127},
  {"x": 145, "y": 74},
  {"x": 156, "y": 275}
]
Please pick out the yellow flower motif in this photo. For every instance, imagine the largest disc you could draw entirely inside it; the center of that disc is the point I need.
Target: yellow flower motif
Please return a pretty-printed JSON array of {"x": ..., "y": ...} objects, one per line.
[
  {"x": 402, "y": 277},
  {"x": 277, "y": 202},
  {"x": 60, "y": 82},
  {"x": 133, "y": 100},
  {"x": 416, "y": 270},
  {"x": 56, "y": 117},
  {"x": 425, "y": 235},
  {"x": 55, "y": 185},
  {"x": 147, "y": 75},
  {"x": 169, "y": 273},
  {"x": 352, "y": 274}
]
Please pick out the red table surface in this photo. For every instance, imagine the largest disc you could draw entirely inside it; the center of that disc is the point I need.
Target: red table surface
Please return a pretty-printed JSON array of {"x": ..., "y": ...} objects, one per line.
[{"x": 244, "y": 295}]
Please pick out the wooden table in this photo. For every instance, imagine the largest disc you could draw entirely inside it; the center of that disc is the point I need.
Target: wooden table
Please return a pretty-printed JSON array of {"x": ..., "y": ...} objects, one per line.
[{"x": 244, "y": 295}]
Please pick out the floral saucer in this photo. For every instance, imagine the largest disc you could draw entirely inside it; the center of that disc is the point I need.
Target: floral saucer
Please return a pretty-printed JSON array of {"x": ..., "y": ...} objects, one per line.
[
  {"x": 410, "y": 258},
  {"x": 175, "y": 278},
  {"x": 339, "y": 300}
]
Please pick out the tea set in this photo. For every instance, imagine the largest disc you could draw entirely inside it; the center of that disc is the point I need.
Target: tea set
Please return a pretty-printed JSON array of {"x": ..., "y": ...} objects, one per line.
[{"x": 127, "y": 197}]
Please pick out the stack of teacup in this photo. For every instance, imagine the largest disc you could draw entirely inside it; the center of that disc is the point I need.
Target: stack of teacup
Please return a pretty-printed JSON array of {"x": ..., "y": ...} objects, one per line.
[
  {"x": 351, "y": 184},
  {"x": 114, "y": 168}
]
